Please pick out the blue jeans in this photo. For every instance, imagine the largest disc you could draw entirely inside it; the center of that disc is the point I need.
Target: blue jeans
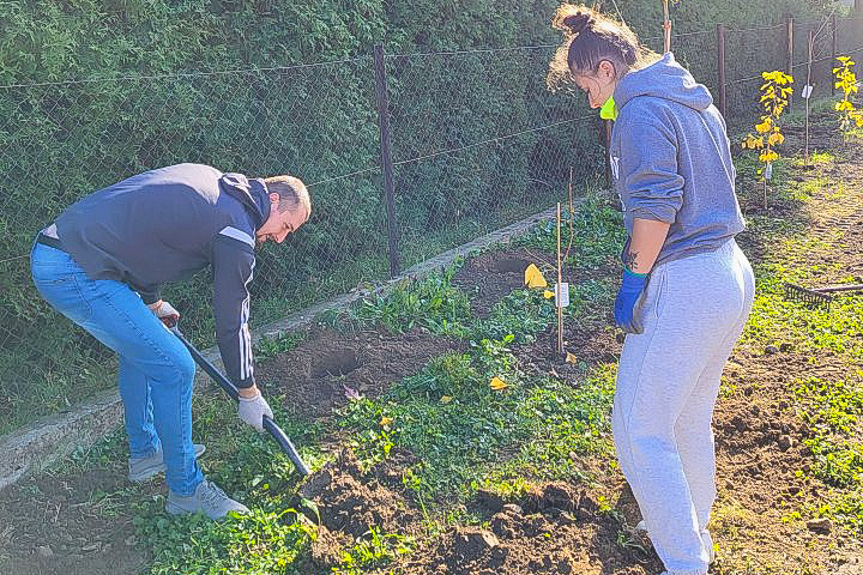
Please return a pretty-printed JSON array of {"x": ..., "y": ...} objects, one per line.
[{"x": 156, "y": 373}]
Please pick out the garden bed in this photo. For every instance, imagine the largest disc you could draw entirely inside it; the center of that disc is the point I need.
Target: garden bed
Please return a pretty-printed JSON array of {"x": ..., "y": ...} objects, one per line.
[{"x": 422, "y": 467}]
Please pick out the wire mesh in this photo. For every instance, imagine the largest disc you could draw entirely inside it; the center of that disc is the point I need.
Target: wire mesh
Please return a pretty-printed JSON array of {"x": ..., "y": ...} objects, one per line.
[{"x": 480, "y": 142}]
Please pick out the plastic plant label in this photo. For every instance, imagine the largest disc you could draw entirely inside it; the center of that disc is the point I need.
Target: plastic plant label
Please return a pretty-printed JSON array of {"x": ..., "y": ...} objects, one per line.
[
  {"x": 561, "y": 293},
  {"x": 807, "y": 91},
  {"x": 768, "y": 172}
]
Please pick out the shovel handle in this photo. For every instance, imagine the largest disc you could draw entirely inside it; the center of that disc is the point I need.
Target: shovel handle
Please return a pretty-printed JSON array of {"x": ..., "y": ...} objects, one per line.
[{"x": 269, "y": 425}]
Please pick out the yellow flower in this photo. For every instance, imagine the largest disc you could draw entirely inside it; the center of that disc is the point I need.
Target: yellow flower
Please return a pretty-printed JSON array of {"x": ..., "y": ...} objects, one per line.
[
  {"x": 385, "y": 421},
  {"x": 548, "y": 294},
  {"x": 768, "y": 156},
  {"x": 775, "y": 139},
  {"x": 753, "y": 143},
  {"x": 497, "y": 384},
  {"x": 844, "y": 106},
  {"x": 764, "y": 126}
]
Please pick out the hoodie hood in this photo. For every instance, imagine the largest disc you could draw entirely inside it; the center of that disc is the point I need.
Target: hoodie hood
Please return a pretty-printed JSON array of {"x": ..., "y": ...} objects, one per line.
[
  {"x": 663, "y": 79},
  {"x": 252, "y": 193}
]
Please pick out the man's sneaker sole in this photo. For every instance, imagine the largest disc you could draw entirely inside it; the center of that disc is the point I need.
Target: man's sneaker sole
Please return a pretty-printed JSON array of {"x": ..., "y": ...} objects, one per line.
[{"x": 146, "y": 473}]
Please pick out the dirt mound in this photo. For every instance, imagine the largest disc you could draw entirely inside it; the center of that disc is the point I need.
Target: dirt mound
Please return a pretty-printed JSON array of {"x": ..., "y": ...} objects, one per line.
[
  {"x": 352, "y": 502},
  {"x": 316, "y": 376},
  {"x": 556, "y": 530}
]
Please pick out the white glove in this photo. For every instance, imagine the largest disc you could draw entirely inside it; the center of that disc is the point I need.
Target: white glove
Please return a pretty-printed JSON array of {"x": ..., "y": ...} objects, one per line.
[
  {"x": 253, "y": 409},
  {"x": 165, "y": 312}
]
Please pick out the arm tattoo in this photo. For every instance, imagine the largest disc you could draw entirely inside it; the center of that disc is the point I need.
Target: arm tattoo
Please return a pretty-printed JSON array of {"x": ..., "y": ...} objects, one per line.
[{"x": 629, "y": 260}]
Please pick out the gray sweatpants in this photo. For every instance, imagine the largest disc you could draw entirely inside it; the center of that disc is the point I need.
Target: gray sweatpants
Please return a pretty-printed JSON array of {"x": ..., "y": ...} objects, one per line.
[{"x": 693, "y": 312}]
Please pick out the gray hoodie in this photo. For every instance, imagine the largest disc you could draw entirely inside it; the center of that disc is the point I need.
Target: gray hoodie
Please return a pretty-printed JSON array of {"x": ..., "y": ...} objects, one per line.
[{"x": 671, "y": 159}]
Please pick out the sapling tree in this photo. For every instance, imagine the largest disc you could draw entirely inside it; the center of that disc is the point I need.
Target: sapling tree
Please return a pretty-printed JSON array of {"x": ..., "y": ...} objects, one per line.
[
  {"x": 846, "y": 80},
  {"x": 775, "y": 93}
]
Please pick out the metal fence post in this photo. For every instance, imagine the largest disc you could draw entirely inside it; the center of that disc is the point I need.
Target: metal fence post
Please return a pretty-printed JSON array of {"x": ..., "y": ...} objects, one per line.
[
  {"x": 834, "y": 26},
  {"x": 720, "y": 66},
  {"x": 789, "y": 56},
  {"x": 387, "y": 158}
]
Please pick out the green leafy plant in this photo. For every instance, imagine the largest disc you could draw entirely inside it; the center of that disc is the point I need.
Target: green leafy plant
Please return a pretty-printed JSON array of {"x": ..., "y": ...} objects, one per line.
[
  {"x": 846, "y": 80},
  {"x": 374, "y": 550},
  {"x": 775, "y": 93}
]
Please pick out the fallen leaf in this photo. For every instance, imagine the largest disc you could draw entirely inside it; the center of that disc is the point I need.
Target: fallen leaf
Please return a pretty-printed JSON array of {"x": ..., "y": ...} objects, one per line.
[
  {"x": 533, "y": 278},
  {"x": 497, "y": 384},
  {"x": 386, "y": 421},
  {"x": 351, "y": 393},
  {"x": 570, "y": 358},
  {"x": 446, "y": 398}
]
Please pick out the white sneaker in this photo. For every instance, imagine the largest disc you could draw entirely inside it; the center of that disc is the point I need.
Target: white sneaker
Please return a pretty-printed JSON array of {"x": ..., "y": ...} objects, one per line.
[{"x": 208, "y": 499}]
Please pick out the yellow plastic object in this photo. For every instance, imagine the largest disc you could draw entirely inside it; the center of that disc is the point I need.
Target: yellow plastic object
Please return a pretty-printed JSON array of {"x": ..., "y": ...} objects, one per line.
[
  {"x": 608, "y": 110},
  {"x": 533, "y": 278},
  {"x": 497, "y": 384}
]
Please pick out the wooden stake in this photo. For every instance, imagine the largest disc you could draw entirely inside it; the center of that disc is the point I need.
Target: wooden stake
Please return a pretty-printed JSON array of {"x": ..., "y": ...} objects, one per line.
[
  {"x": 558, "y": 289},
  {"x": 808, "y": 83},
  {"x": 666, "y": 28}
]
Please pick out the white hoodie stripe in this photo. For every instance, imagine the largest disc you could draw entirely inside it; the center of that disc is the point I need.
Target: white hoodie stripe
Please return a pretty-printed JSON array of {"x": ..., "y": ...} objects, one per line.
[
  {"x": 238, "y": 234},
  {"x": 245, "y": 339}
]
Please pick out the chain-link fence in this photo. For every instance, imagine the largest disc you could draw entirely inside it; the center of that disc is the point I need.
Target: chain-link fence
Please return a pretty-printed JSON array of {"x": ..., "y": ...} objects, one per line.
[{"x": 477, "y": 142}]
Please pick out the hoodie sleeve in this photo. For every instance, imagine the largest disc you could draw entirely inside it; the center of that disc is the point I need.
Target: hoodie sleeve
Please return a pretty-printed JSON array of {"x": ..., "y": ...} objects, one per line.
[
  {"x": 648, "y": 170},
  {"x": 233, "y": 266}
]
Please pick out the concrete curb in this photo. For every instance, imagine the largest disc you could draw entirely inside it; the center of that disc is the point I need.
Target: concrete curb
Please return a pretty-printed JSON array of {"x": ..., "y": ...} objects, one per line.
[{"x": 38, "y": 445}]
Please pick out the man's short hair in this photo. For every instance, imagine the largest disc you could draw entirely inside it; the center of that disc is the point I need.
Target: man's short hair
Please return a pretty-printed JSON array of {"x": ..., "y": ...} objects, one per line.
[{"x": 292, "y": 193}]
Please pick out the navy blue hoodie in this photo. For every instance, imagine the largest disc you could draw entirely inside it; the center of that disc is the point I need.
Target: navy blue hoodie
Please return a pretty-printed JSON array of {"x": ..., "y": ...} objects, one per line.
[{"x": 164, "y": 226}]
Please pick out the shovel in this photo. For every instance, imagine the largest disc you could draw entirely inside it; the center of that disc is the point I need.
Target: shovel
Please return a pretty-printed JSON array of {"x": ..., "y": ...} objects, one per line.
[{"x": 272, "y": 428}]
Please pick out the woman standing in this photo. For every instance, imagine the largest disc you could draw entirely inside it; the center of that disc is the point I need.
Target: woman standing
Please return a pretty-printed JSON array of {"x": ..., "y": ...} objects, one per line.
[{"x": 687, "y": 289}]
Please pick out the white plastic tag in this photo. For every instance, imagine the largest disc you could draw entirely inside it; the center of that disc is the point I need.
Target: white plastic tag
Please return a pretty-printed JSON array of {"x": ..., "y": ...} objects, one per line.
[
  {"x": 807, "y": 91},
  {"x": 561, "y": 295},
  {"x": 768, "y": 172}
]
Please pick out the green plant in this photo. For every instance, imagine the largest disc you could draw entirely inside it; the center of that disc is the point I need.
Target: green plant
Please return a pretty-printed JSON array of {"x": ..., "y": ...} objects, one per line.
[
  {"x": 374, "y": 550},
  {"x": 270, "y": 346},
  {"x": 433, "y": 303},
  {"x": 775, "y": 94}
]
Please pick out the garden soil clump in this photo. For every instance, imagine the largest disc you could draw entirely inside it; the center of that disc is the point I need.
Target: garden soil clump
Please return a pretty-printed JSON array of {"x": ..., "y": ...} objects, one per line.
[{"x": 557, "y": 529}]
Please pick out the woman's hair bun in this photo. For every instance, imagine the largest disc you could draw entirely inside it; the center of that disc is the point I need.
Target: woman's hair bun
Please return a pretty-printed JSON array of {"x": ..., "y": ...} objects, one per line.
[{"x": 578, "y": 22}]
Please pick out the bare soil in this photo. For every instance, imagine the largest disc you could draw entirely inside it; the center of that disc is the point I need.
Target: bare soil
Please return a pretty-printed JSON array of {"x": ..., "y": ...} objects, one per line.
[{"x": 316, "y": 376}]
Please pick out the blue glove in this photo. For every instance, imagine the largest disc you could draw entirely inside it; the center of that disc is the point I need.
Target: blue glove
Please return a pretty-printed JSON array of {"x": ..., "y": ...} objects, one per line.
[{"x": 631, "y": 288}]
